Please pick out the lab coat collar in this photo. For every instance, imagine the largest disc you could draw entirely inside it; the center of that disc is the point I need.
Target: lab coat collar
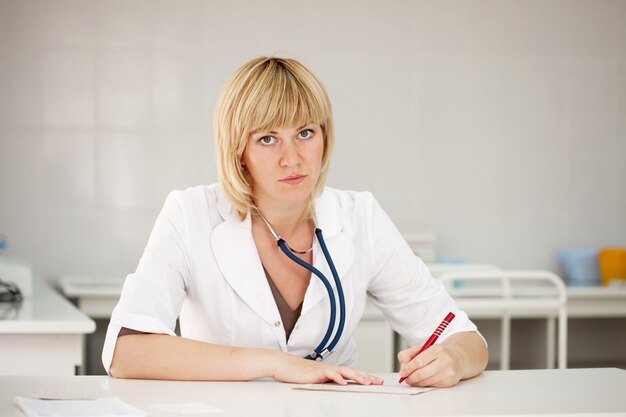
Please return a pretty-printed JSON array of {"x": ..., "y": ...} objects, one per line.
[
  {"x": 232, "y": 242},
  {"x": 327, "y": 213}
]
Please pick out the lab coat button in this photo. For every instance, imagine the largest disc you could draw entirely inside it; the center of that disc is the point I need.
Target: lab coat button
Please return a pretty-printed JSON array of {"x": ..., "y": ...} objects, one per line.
[{"x": 277, "y": 324}]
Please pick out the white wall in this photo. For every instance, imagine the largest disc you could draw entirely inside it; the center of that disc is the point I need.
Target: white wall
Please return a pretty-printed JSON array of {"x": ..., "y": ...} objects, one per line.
[{"x": 499, "y": 125}]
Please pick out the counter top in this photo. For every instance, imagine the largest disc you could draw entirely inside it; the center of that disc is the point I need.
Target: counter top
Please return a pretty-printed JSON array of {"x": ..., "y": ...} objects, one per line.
[{"x": 45, "y": 311}]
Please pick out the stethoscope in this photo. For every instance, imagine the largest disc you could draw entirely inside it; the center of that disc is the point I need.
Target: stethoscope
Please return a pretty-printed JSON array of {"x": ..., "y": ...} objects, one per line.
[{"x": 322, "y": 351}]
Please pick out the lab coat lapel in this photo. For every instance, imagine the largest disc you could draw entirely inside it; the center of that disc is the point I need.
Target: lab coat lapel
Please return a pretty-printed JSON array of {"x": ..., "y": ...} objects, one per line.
[
  {"x": 340, "y": 247},
  {"x": 238, "y": 260}
]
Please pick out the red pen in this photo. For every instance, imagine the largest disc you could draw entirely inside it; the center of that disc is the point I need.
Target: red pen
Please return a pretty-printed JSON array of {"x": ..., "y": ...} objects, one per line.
[{"x": 431, "y": 340}]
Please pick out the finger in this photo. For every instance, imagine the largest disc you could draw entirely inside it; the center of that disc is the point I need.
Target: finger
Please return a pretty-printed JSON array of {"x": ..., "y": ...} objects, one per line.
[
  {"x": 406, "y": 355},
  {"x": 335, "y": 376},
  {"x": 355, "y": 375},
  {"x": 420, "y": 360},
  {"x": 440, "y": 380},
  {"x": 445, "y": 377},
  {"x": 376, "y": 380},
  {"x": 440, "y": 372},
  {"x": 417, "y": 377}
]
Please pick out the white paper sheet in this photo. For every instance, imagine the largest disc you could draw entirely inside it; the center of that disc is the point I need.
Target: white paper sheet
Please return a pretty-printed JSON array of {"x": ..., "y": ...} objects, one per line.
[
  {"x": 103, "y": 407},
  {"x": 402, "y": 389},
  {"x": 71, "y": 393}
]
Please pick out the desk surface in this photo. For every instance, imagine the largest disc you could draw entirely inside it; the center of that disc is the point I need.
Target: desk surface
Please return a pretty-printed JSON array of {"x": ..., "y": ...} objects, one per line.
[{"x": 579, "y": 392}]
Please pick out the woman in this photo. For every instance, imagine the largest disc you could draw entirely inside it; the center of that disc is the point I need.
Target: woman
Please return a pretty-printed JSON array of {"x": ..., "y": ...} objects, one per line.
[{"x": 247, "y": 310}]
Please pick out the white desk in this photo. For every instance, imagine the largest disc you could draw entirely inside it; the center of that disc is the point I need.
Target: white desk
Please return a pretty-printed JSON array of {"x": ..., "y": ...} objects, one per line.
[
  {"x": 43, "y": 335},
  {"x": 579, "y": 392}
]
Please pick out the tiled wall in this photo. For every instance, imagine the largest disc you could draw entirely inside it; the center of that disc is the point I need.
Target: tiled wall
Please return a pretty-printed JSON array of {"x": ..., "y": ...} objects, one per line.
[{"x": 499, "y": 125}]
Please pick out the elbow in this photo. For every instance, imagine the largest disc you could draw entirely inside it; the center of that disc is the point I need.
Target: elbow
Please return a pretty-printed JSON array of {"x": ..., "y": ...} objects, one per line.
[
  {"x": 120, "y": 366},
  {"x": 117, "y": 369},
  {"x": 485, "y": 357}
]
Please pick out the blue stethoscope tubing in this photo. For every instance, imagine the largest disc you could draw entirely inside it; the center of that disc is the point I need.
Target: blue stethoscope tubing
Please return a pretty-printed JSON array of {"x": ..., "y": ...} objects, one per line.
[{"x": 321, "y": 351}]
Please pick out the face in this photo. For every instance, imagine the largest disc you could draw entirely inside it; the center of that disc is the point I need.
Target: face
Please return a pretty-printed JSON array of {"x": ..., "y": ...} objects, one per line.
[{"x": 284, "y": 163}]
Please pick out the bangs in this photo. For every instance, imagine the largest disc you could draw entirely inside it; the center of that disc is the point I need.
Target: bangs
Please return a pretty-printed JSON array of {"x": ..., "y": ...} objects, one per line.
[{"x": 280, "y": 98}]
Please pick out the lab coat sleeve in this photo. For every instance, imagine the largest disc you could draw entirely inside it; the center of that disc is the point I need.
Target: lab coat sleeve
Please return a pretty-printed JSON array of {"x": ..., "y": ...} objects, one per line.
[
  {"x": 402, "y": 287},
  {"x": 152, "y": 297}
]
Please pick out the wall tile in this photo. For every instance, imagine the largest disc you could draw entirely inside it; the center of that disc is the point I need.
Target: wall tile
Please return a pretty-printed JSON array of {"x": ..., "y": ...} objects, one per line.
[
  {"x": 542, "y": 97},
  {"x": 21, "y": 80},
  {"x": 588, "y": 29},
  {"x": 181, "y": 159},
  {"x": 125, "y": 24},
  {"x": 493, "y": 94},
  {"x": 71, "y": 23},
  {"x": 588, "y": 94},
  {"x": 543, "y": 28},
  {"x": 495, "y": 28},
  {"x": 20, "y": 230},
  {"x": 180, "y": 99},
  {"x": 20, "y": 158},
  {"x": 125, "y": 93},
  {"x": 441, "y": 31},
  {"x": 543, "y": 231},
  {"x": 69, "y": 88},
  {"x": 21, "y": 22},
  {"x": 124, "y": 180},
  {"x": 93, "y": 243},
  {"x": 180, "y": 25},
  {"x": 618, "y": 29},
  {"x": 67, "y": 172}
]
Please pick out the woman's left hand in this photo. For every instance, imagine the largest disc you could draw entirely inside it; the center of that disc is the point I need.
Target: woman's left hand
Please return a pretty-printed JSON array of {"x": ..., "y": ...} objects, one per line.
[{"x": 434, "y": 367}]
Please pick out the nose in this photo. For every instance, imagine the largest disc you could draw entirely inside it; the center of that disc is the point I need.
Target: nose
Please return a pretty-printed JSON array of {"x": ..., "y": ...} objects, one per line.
[{"x": 290, "y": 156}]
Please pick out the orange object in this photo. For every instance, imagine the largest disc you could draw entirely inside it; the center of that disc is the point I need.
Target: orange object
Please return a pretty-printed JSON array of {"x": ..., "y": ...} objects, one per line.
[{"x": 612, "y": 263}]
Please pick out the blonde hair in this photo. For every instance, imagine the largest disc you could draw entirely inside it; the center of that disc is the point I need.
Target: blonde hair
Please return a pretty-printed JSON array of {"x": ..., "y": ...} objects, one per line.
[{"x": 264, "y": 94}]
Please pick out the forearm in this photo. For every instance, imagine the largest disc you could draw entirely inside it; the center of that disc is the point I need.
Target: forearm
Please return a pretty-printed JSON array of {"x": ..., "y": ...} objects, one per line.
[
  {"x": 469, "y": 351},
  {"x": 159, "y": 356}
]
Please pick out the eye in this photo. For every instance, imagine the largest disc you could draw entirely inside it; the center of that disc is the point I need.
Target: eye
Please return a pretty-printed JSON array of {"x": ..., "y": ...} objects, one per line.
[
  {"x": 267, "y": 140},
  {"x": 306, "y": 134}
]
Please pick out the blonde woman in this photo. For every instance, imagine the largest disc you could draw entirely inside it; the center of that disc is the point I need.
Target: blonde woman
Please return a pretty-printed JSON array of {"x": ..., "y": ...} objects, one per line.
[{"x": 256, "y": 265}]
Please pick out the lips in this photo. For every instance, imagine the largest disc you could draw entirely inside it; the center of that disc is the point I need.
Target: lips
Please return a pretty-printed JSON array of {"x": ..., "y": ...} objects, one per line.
[{"x": 293, "y": 179}]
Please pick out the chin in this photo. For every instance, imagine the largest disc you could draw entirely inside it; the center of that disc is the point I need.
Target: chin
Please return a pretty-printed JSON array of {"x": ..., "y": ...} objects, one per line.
[{"x": 293, "y": 196}]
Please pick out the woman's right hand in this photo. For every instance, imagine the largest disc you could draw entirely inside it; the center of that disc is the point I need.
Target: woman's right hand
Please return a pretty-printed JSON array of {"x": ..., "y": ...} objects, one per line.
[{"x": 289, "y": 368}]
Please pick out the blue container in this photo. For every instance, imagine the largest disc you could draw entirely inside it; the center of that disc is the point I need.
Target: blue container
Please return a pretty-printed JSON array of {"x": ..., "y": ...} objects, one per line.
[{"x": 580, "y": 267}]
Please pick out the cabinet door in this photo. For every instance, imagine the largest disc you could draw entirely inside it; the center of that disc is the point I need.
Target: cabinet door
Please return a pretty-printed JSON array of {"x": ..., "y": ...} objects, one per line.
[{"x": 375, "y": 341}]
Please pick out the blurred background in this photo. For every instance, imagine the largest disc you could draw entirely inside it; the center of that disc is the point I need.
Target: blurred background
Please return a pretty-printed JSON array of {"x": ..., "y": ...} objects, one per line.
[{"x": 494, "y": 130}]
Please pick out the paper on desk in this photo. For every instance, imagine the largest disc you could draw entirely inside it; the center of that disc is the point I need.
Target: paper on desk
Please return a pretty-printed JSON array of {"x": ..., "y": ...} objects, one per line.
[
  {"x": 71, "y": 393},
  {"x": 373, "y": 389},
  {"x": 103, "y": 407},
  {"x": 188, "y": 408}
]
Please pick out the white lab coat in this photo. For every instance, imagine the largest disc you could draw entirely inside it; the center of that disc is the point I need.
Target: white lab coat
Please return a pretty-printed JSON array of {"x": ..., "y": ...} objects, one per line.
[{"x": 201, "y": 263}]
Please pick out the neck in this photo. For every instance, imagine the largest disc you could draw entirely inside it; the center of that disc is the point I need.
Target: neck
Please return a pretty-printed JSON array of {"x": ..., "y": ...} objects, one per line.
[{"x": 285, "y": 218}]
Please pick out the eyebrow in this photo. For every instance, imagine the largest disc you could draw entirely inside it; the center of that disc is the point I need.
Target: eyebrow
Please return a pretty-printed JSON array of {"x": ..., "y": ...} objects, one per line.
[{"x": 273, "y": 132}]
